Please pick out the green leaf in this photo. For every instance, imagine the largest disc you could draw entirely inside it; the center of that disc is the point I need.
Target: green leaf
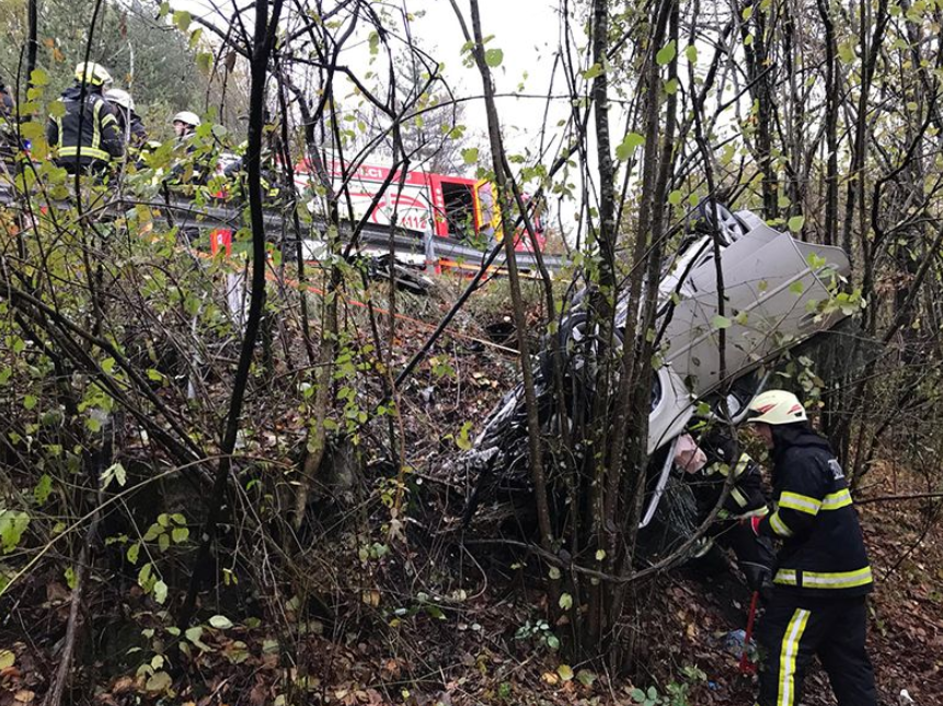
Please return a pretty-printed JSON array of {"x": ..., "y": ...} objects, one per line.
[
  {"x": 108, "y": 364},
  {"x": 159, "y": 682},
  {"x": 593, "y": 71},
  {"x": 470, "y": 155},
  {"x": 154, "y": 375},
  {"x": 671, "y": 86},
  {"x": 600, "y": 554},
  {"x": 220, "y": 622},
  {"x": 494, "y": 57},
  {"x": 637, "y": 695},
  {"x": 160, "y": 592},
  {"x": 630, "y": 143},
  {"x": 747, "y": 13},
  {"x": 719, "y": 322},
  {"x": 7, "y": 659},
  {"x": 134, "y": 551},
  {"x": 554, "y": 573},
  {"x": 70, "y": 579},
  {"x": 666, "y": 53},
  {"x": 182, "y": 19},
  {"x": 12, "y": 526},
  {"x": 795, "y": 223},
  {"x": 674, "y": 198},
  {"x": 566, "y": 601},
  {"x": 797, "y": 288},
  {"x": 204, "y": 60},
  {"x": 691, "y": 53},
  {"x": 180, "y": 535},
  {"x": 39, "y": 78},
  {"x": 586, "y": 678},
  {"x": 43, "y": 489},
  {"x": 565, "y": 671},
  {"x": 195, "y": 36}
]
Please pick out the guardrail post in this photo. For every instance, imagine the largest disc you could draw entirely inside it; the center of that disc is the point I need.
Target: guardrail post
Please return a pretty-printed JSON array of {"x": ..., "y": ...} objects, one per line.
[{"x": 428, "y": 239}]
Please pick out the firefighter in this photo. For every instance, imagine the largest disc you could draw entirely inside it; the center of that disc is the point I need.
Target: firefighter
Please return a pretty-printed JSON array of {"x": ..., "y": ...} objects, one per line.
[
  {"x": 86, "y": 110},
  {"x": 8, "y": 140},
  {"x": 715, "y": 456},
  {"x": 817, "y": 606},
  {"x": 129, "y": 122},
  {"x": 185, "y": 124},
  {"x": 7, "y": 104}
]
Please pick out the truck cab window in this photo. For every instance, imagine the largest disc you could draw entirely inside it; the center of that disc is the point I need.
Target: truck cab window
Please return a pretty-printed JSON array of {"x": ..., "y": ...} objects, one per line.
[{"x": 459, "y": 210}]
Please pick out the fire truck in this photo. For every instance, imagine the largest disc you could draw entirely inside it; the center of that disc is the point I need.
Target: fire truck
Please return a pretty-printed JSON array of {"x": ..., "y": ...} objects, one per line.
[{"x": 452, "y": 209}]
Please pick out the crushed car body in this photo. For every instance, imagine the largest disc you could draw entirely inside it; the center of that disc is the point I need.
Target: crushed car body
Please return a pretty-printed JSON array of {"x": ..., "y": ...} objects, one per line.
[{"x": 773, "y": 286}]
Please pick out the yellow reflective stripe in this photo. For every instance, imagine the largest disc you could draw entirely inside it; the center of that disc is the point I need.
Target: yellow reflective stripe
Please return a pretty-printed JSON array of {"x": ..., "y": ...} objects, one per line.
[
  {"x": 779, "y": 527},
  {"x": 90, "y": 152},
  {"x": 96, "y": 126},
  {"x": 838, "y": 500},
  {"x": 787, "y": 657},
  {"x": 738, "y": 470},
  {"x": 814, "y": 579},
  {"x": 801, "y": 503},
  {"x": 759, "y": 512},
  {"x": 108, "y": 119},
  {"x": 841, "y": 579},
  {"x": 738, "y": 497}
]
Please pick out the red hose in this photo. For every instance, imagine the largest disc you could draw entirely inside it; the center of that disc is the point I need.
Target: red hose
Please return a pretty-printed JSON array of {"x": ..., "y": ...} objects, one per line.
[{"x": 746, "y": 666}]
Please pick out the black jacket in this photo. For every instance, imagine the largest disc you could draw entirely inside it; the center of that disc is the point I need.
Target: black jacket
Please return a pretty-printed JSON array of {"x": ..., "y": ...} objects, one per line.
[
  {"x": 823, "y": 552},
  {"x": 135, "y": 131},
  {"x": 8, "y": 142},
  {"x": 100, "y": 140}
]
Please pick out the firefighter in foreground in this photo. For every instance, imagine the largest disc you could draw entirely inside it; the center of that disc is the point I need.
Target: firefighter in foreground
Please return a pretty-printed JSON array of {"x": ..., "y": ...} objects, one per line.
[
  {"x": 822, "y": 576},
  {"x": 86, "y": 134}
]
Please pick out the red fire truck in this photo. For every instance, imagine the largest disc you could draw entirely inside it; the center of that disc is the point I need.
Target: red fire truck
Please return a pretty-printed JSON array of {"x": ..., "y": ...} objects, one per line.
[{"x": 460, "y": 209}]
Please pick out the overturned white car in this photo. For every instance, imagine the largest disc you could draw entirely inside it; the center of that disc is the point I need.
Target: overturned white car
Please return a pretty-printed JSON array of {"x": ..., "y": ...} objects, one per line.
[{"x": 773, "y": 288}]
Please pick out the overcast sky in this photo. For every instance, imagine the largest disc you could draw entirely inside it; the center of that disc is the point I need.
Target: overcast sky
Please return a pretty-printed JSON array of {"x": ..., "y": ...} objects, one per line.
[{"x": 525, "y": 30}]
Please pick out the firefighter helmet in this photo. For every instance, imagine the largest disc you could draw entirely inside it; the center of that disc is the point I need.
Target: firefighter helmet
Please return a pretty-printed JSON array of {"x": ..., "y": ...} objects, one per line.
[
  {"x": 776, "y": 407},
  {"x": 188, "y": 118},
  {"x": 93, "y": 74},
  {"x": 120, "y": 97}
]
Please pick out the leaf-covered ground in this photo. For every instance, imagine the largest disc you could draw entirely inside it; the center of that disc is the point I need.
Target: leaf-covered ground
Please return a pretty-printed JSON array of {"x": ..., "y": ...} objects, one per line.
[{"x": 420, "y": 620}]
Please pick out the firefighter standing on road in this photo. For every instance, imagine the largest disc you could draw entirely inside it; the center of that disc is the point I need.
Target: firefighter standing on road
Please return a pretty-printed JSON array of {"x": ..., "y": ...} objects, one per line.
[
  {"x": 86, "y": 133},
  {"x": 822, "y": 572},
  {"x": 185, "y": 124},
  {"x": 7, "y": 128},
  {"x": 129, "y": 122}
]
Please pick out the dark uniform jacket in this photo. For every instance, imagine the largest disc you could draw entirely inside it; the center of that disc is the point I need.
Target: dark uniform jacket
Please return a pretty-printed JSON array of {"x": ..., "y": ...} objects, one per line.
[
  {"x": 7, "y": 128},
  {"x": 100, "y": 139},
  {"x": 135, "y": 131},
  {"x": 823, "y": 552}
]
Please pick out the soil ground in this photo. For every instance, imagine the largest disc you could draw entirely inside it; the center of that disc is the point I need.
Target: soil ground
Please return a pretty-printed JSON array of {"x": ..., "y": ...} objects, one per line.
[{"x": 489, "y": 646}]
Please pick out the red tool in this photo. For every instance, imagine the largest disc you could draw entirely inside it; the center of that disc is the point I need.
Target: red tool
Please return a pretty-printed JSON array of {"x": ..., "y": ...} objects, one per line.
[{"x": 746, "y": 666}]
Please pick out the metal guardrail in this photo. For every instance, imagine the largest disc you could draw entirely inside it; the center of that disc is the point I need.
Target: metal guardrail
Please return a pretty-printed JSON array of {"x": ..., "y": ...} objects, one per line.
[{"x": 412, "y": 246}]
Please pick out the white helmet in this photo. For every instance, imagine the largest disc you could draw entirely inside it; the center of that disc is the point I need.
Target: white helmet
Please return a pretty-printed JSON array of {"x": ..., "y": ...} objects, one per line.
[
  {"x": 93, "y": 74},
  {"x": 185, "y": 116},
  {"x": 776, "y": 407},
  {"x": 120, "y": 97}
]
